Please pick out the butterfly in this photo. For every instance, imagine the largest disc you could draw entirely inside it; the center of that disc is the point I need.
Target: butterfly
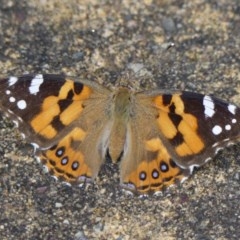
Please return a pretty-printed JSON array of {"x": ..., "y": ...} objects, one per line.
[{"x": 157, "y": 137}]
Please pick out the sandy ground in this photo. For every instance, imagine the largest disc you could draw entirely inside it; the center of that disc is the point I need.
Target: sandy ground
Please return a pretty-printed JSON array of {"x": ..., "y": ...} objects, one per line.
[{"x": 101, "y": 39}]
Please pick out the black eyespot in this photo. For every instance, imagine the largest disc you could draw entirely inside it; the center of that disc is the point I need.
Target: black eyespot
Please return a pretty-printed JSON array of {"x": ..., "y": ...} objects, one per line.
[
  {"x": 75, "y": 165},
  {"x": 142, "y": 175},
  {"x": 60, "y": 151},
  {"x": 163, "y": 167},
  {"x": 155, "y": 174},
  {"x": 64, "y": 161}
]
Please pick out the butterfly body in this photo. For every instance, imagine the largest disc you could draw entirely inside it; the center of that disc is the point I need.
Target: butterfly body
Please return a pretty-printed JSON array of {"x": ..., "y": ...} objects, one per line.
[{"x": 157, "y": 136}]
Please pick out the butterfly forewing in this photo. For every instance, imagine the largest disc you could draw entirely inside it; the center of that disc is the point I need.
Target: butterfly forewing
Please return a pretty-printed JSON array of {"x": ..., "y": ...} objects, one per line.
[{"x": 36, "y": 104}]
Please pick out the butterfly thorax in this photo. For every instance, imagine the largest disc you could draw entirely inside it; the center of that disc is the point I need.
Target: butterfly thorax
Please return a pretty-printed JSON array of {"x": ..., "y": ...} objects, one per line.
[
  {"x": 121, "y": 113},
  {"x": 122, "y": 103}
]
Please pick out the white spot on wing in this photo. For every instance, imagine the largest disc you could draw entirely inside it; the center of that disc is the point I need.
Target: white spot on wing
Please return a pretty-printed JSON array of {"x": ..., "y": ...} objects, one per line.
[
  {"x": 12, "y": 81},
  {"x": 8, "y": 92},
  {"x": 228, "y": 127},
  {"x": 234, "y": 120},
  {"x": 21, "y": 104},
  {"x": 35, "y": 84},
  {"x": 232, "y": 109},
  {"x": 12, "y": 99},
  {"x": 216, "y": 130},
  {"x": 208, "y": 106}
]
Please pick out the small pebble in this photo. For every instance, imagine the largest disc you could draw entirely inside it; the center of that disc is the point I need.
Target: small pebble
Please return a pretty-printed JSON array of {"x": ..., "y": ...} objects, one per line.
[{"x": 58, "y": 205}]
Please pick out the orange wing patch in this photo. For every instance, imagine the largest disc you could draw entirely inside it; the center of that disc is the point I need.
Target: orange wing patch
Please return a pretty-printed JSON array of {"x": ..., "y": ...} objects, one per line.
[
  {"x": 64, "y": 160},
  {"x": 60, "y": 111},
  {"x": 157, "y": 171},
  {"x": 180, "y": 128},
  {"x": 192, "y": 144}
]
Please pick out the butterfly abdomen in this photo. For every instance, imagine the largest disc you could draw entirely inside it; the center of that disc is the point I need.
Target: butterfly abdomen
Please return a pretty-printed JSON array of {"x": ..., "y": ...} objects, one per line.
[{"x": 120, "y": 115}]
